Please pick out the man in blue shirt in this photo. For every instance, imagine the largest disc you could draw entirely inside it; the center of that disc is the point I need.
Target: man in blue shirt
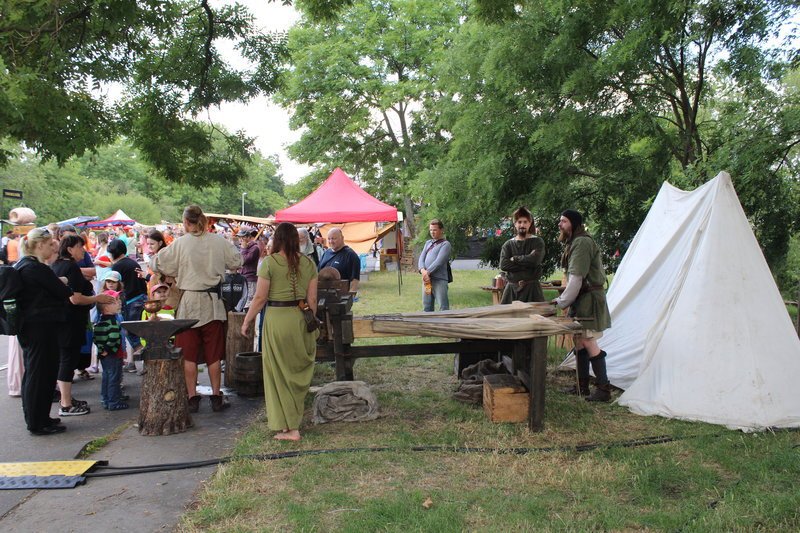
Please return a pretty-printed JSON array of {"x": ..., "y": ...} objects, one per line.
[
  {"x": 342, "y": 258},
  {"x": 433, "y": 263}
]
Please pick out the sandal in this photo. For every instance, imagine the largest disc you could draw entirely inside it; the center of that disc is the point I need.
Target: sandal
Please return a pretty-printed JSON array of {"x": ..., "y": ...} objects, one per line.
[{"x": 86, "y": 376}]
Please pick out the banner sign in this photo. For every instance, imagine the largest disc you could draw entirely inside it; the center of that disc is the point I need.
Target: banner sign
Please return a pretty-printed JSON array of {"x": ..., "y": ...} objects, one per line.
[{"x": 12, "y": 193}]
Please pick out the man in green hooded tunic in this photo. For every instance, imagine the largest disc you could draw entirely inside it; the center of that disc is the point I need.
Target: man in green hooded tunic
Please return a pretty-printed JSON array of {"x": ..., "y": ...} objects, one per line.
[
  {"x": 586, "y": 297},
  {"x": 521, "y": 260}
]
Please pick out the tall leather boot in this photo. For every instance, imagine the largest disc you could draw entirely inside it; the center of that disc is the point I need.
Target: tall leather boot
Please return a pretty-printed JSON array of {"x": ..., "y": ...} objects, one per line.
[
  {"x": 582, "y": 364},
  {"x": 602, "y": 391}
]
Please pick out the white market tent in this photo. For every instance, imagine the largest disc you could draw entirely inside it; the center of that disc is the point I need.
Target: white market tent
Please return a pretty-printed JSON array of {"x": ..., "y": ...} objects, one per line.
[{"x": 699, "y": 330}]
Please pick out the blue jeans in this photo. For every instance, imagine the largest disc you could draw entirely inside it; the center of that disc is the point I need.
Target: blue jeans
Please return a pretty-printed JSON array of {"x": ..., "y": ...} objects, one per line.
[
  {"x": 438, "y": 294},
  {"x": 133, "y": 311},
  {"x": 110, "y": 390}
]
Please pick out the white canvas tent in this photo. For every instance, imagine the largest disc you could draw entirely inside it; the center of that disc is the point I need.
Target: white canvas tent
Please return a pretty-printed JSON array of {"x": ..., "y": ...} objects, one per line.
[{"x": 699, "y": 330}]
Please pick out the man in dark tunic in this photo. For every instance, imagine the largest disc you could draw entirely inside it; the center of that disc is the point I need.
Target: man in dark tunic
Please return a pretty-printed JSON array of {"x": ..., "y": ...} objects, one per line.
[
  {"x": 521, "y": 260},
  {"x": 586, "y": 297}
]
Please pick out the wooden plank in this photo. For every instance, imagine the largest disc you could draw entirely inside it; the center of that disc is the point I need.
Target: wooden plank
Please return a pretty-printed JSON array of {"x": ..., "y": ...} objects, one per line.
[{"x": 362, "y": 329}]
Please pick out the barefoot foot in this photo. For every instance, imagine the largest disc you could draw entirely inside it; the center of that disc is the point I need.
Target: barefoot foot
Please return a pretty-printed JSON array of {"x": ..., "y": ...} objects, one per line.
[{"x": 293, "y": 435}]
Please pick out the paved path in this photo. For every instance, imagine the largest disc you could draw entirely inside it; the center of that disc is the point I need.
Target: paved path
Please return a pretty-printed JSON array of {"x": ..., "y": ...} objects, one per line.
[{"x": 141, "y": 502}]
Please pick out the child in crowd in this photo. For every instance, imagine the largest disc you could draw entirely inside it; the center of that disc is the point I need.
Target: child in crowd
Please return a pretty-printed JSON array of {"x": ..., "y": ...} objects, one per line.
[
  {"x": 108, "y": 339},
  {"x": 160, "y": 291},
  {"x": 112, "y": 281}
]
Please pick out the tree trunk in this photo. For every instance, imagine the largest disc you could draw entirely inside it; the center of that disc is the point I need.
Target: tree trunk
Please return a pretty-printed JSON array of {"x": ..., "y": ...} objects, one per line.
[
  {"x": 409, "y": 217},
  {"x": 235, "y": 343},
  {"x": 164, "y": 408}
]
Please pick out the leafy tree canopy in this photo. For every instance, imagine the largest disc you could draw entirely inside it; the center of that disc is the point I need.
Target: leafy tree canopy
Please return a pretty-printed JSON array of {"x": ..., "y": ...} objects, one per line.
[
  {"x": 60, "y": 62},
  {"x": 116, "y": 177},
  {"x": 592, "y": 105},
  {"x": 358, "y": 83}
]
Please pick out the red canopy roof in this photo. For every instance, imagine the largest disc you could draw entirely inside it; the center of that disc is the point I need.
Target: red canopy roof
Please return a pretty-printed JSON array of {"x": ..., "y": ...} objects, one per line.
[
  {"x": 117, "y": 219},
  {"x": 338, "y": 199}
]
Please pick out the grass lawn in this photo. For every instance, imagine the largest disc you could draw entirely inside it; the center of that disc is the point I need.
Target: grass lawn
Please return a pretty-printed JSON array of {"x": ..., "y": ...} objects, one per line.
[{"x": 707, "y": 478}]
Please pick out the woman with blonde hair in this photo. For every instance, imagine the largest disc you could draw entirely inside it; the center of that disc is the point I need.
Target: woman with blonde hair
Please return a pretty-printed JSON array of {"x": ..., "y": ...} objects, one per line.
[
  {"x": 42, "y": 311},
  {"x": 285, "y": 279}
]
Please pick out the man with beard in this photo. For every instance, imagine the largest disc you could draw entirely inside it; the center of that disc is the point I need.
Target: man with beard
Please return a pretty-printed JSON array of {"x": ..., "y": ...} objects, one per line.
[
  {"x": 586, "y": 298},
  {"x": 521, "y": 260}
]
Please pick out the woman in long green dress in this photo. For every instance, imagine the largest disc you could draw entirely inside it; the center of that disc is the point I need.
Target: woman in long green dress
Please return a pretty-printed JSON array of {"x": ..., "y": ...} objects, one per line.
[{"x": 284, "y": 278}]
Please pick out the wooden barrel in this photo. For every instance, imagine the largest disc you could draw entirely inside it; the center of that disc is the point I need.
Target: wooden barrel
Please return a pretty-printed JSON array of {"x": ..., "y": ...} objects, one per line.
[
  {"x": 248, "y": 374},
  {"x": 235, "y": 343}
]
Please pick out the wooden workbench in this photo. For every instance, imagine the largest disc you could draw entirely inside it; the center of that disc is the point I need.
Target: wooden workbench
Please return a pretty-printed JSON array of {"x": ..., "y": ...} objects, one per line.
[{"x": 528, "y": 359}]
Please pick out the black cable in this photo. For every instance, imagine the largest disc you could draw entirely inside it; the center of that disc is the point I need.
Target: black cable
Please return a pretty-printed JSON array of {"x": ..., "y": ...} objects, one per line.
[{"x": 120, "y": 471}]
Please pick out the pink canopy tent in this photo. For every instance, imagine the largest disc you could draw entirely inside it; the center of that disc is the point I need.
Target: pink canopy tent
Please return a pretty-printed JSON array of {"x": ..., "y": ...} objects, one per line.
[
  {"x": 338, "y": 199},
  {"x": 117, "y": 219}
]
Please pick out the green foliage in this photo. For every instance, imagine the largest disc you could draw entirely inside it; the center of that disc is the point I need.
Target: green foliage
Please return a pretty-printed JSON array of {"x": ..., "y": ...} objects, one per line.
[
  {"x": 116, "y": 177},
  {"x": 58, "y": 59},
  {"x": 357, "y": 85},
  {"x": 592, "y": 106}
]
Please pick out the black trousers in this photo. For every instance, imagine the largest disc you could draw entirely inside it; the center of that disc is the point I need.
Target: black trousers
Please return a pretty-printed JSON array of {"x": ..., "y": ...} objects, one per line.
[{"x": 40, "y": 352}]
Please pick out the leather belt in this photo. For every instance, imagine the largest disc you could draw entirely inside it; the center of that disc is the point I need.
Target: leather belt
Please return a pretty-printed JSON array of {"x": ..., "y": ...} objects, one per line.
[
  {"x": 290, "y": 303},
  {"x": 590, "y": 288}
]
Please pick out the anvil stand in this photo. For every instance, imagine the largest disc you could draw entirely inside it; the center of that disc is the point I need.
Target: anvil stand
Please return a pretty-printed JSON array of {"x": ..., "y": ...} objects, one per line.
[{"x": 164, "y": 407}]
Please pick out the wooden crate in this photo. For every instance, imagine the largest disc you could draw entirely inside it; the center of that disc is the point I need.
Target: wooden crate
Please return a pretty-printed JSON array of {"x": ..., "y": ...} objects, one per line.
[{"x": 505, "y": 398}]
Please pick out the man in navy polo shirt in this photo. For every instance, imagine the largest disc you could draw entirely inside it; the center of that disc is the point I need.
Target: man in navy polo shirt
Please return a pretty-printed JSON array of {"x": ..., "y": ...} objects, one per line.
[{"x": 342, "y": 258}]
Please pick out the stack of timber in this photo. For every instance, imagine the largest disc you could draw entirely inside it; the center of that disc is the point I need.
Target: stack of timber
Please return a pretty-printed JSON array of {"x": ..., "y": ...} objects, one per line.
[{"x": 519, "y": 320}]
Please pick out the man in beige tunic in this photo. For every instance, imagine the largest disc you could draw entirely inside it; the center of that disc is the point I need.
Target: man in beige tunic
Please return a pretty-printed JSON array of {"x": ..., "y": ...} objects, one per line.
[{"x": 198, "y": 261}]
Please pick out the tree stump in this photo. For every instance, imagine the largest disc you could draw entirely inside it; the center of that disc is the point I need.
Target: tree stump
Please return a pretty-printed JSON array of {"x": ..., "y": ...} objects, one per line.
[
  {"x": 235, "y": 343},
  {"x": 164, "y": 407}
]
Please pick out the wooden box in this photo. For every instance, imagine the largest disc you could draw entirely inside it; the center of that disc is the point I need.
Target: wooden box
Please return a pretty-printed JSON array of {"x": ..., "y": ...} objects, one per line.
[{"x": 505, "y": 398}]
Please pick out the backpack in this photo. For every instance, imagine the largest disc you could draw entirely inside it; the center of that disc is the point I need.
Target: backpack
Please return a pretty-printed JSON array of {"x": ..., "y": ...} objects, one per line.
[
  {"x": 10, "y": 288},
  {"x": 232, "y": 289}
]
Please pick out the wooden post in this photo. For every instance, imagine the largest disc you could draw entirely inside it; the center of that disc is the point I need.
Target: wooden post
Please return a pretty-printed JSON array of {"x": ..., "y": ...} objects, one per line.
[
  {"x": 235, "y": 343},
  {"x": 164, "y": 407},
  {"x": 538, "y": 370}
]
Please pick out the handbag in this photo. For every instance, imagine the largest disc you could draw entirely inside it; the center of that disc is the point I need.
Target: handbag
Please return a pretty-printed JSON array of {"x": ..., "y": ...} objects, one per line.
[{"x": 312, "y": 322}]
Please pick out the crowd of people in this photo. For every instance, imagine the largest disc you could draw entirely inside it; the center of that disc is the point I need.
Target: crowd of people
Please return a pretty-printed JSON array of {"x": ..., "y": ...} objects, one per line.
[{"x": 84, "y": 286}]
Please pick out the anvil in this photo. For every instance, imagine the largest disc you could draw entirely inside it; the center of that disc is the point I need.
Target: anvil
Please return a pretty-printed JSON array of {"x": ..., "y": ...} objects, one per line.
[{"x": 157, "y": 334}]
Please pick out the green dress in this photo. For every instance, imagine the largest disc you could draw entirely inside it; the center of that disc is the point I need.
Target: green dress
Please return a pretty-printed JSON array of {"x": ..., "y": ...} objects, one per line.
[{"x": 288, "y": 349}]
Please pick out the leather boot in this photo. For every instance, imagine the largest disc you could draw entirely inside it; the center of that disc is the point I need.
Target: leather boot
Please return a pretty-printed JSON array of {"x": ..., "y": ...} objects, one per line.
[
  {"x": 194, "y": 403},
  {"x": 581, "y": 388},
  {"x": 218, "y": 402},
  {"x": 602, "y": 393}
]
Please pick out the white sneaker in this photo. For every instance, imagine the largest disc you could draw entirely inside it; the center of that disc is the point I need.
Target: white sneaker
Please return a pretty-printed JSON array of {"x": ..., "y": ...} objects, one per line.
[{"x": 73, "y": 410}]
